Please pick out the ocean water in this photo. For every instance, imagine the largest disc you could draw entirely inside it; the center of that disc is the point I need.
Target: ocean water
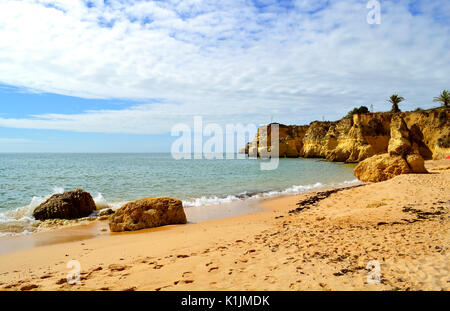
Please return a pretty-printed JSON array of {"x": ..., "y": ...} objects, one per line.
[{"x": 26, "y": 180}]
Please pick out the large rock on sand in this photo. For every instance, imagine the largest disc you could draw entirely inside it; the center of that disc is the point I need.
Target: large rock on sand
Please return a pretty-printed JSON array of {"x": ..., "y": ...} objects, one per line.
[
  {"x": 416, "y": 163},
  {"x": 385, "y": 166},
  {"x": 69, "y": 205},
  {"x": 148, "y": 213},
  {"x": 381, "y": 167}
]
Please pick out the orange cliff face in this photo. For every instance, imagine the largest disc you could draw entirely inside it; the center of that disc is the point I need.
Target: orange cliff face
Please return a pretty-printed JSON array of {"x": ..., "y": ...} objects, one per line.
[
  {"x": 358, "y": 138},
  {"x": 432, "y": 128}
]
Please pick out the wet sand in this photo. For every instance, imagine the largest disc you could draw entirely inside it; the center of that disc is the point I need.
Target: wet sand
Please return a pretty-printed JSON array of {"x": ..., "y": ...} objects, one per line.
[
  {"x": 9, "y": 244},
  {"x": 316, "y": 241},
  {"x": 100, "y": 228}
]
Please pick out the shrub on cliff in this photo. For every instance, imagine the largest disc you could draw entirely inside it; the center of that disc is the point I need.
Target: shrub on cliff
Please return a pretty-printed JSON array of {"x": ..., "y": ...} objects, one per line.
[{"x": 362, "y": 109}]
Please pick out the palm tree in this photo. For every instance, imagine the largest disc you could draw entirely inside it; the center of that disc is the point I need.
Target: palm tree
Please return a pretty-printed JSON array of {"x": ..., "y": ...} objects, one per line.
[
  {"x": 395, "y": 100},
  {"x": 444, "y": 98}
]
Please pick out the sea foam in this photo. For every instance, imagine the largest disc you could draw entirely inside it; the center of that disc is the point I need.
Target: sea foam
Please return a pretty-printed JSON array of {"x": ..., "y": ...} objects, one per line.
[
  {"x": 21, "y": 220},
  {"x": 295, "y": 189},
  {"x": 100, "y": 201}
]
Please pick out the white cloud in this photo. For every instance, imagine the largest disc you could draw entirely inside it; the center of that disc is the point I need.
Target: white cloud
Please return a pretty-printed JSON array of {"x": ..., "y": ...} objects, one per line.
[{"x": 229, "y": 61}]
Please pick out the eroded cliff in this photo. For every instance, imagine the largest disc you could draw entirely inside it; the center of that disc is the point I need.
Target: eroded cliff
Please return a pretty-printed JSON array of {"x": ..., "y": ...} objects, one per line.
[{"x": 358, "y": 138}]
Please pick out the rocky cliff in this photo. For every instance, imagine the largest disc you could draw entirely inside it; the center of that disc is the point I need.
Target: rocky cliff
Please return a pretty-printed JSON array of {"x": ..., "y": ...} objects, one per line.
[{"x": 358, "y": 138}]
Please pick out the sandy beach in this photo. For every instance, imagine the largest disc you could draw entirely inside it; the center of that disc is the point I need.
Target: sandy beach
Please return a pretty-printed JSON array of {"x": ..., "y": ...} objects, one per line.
[{"x": 315, "y": 241}]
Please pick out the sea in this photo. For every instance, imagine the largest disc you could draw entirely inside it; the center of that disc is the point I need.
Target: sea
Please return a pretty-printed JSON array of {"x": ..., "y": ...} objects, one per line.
[{"x": 113, "y": 179}]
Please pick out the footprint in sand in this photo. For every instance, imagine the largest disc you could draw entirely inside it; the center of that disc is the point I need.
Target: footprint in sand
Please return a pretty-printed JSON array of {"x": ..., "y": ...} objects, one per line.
[
  {"x": 116, "y": 267},
  {"x": 28, "y": 287},
  {"x": 160, "y": 288},
  {"x": 87, "y": 275},
  {"x": 183, "y": 282},
  {"x": 123, "y": 276},
  {"x": 187, "y": 281},
  {"x": 250, "y": 251},
  {"x": 187, "y": 274}
]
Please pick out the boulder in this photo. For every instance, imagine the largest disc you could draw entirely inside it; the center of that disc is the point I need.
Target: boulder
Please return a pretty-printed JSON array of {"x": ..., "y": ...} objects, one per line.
[
  {"x": 381, "y": 167},
  {"x": 148, "y": 213},
  {"x": 69, "y": 205},
  {"x": 416, "y": 163}
]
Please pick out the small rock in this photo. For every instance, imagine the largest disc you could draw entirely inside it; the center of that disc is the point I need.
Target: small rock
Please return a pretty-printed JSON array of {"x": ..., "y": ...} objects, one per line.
[{"x": 105, "y": 212}]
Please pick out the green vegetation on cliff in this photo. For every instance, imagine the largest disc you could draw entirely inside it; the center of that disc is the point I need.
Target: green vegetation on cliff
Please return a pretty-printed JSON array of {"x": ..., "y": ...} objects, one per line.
[
  {"x": 362, "y": 109},
  {"x": 444, "y": 98},
  {"x": 395, "y": 100}
]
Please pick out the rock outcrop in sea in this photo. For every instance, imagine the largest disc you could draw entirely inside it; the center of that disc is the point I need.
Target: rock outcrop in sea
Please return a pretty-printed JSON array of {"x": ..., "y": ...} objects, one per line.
[
  {"x": 68, "y": 205},
  {"x": 148, "y": 213},
  {"x": 354, "y": 139}
]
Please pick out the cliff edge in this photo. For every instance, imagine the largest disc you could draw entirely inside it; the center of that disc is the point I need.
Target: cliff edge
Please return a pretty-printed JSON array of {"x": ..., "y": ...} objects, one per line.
[{"x": 354, "y": 139}]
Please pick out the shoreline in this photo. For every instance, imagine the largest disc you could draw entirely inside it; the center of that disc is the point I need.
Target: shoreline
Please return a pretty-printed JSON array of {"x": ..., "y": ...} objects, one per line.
[
  {"x": 60, "y": 234},
  {"x": 85, "y": 228},
  {"x": 294, "y": 175},
  {"x": 402, "y": 223}
]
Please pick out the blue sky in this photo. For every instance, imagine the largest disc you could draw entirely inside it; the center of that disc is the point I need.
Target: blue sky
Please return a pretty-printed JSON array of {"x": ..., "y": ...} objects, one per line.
[{"x": 116, "y": 76}]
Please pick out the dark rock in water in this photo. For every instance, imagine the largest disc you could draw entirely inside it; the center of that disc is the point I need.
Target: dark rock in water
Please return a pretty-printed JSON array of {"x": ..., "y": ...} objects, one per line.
[
  {"x": 69, "y": 205},
  {"x": 148, "y": 213}
]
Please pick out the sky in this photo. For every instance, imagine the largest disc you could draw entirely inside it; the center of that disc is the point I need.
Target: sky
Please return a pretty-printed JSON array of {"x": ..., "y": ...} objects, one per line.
[{"x": 117, "y": 75}]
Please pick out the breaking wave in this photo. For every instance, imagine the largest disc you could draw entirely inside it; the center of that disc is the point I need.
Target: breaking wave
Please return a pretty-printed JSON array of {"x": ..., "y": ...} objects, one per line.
[
  {"x": 296, "y": 189},
  {"x": 21, "y": 220}
]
